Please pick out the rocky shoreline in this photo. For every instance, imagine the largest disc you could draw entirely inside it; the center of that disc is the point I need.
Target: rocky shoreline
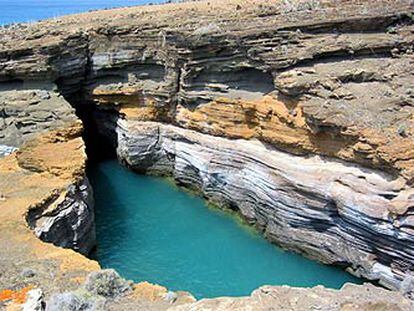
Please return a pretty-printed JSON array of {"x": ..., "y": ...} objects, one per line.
[{"x": 297, "y": 114}]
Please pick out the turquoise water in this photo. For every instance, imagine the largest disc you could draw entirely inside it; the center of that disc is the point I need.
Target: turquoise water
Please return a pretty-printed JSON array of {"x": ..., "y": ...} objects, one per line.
[
  {"x": 148, "y": 229},
  {"x": 14, "y": 11}
]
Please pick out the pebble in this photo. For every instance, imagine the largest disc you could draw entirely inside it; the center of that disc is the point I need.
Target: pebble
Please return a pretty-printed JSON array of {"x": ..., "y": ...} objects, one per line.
[{"x": 28, "y": 273}]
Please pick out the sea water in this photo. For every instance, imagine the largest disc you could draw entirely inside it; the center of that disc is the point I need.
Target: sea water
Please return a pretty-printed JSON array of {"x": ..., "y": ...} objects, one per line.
[
  {"x": 16, "y": 11},
  {"x": 148, "y": 229}
]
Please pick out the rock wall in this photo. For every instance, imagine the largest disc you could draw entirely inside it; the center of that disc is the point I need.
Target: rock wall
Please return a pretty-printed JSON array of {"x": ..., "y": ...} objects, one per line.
[
  {"x": 66, "y": 217},
  {"x": 67, "y": 220},
  {"x": 297, "y": 113},
  {"x": 329, "y": 210},
  {"x": 30, "y": 110},
  {"x": 27, "y": 109},
  {"x": 294, "y": 74},
  {"x": 43, "y": 184},
  {"x": 330, "y": 90}
]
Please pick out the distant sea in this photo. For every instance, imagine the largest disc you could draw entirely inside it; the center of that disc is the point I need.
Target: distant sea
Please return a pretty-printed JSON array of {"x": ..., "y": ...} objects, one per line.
[{"x": 17, "y": 11}]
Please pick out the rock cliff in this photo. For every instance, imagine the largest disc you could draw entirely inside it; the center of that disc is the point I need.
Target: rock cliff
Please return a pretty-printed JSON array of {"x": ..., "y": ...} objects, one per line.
[{"x": 298, "y": 114}]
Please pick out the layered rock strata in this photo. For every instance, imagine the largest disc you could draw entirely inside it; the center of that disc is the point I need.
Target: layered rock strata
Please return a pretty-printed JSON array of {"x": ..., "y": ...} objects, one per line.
[
  {"x": 66, "y": 218},
  {"x": 331, "y": 88},
  {"x": 69, "y": 221},
  {"x": 27, "y": 109},
  {"x": 40, "y": 176},
  {"x": 44, "y": 192},
  {"x": 299, "y": 114},
  {"x": 330, "y": 210}
]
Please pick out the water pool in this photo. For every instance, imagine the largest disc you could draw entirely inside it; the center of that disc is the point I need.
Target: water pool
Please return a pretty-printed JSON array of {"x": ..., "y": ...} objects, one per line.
[{"x": 148, "y": 229}]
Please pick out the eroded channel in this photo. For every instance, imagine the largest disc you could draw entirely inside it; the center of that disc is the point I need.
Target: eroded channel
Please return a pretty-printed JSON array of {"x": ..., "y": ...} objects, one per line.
[{"x": 148, "y": 229}]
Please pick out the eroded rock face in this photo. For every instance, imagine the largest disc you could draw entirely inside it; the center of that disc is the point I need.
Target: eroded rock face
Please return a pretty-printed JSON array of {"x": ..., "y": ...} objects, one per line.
[
  {"x": 331, "y": 88},
  {"x": 298, "y": 114},
  {"x": 66, "y": 216},
  {"x": 44, "y": 178},
  {"x": 26, "y": 111},
  {"x": 330, "y": 210},
  {"x": 68, "y": 219},
  {"x": 333, "y": 85}
]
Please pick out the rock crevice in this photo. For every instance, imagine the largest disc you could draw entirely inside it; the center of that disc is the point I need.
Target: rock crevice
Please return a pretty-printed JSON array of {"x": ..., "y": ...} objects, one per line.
[{"x": 299, "y": 114}]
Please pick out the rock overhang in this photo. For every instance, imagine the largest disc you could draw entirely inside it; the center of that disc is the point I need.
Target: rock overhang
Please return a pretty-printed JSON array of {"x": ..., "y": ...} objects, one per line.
[{"x": 341, "y": 88}]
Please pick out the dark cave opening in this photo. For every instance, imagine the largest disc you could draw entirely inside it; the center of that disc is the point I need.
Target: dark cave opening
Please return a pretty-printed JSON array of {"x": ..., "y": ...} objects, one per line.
[{"x": 99, "y": 146}]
